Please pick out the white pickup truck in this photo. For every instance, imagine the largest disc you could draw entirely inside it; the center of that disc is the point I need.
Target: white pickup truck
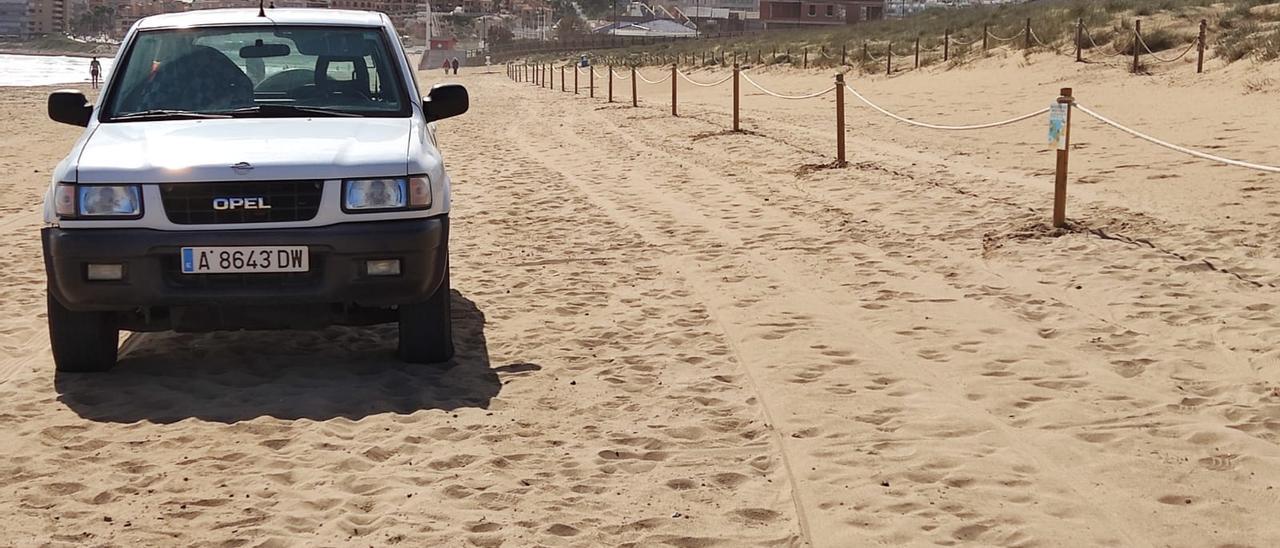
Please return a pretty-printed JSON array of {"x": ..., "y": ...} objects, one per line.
[{"x": 248, "y": 169}]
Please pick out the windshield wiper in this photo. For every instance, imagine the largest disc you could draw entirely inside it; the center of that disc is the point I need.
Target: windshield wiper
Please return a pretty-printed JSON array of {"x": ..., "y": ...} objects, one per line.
[
  {"x": 168, "y": 114},
  {"x": 274, "y": 110}
]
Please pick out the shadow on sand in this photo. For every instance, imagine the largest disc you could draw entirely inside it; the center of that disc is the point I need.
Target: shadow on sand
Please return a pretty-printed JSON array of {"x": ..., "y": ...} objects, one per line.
[{"x": 235, "y": 376}]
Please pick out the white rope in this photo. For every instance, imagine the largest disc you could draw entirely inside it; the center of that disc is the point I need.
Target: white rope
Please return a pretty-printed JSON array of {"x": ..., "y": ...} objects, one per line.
[
  {"x": 937, "y": 126},
  {"x": 962, "y": 43},
  {"x": 696, "y": 83},
  {"x": 1056, "y": 49},
  {"x": 1010, "y": 39},
  {"x": 648, "y": 81},
  {"x": 1096, "y": 46},
  {"x": 781, "y": 96},
  {"x": 1171, "y": 146},
  {"x": 615, "y": 75},
  {"x": 1162, "y": 59},
  {"x": 873, "y": 57}
]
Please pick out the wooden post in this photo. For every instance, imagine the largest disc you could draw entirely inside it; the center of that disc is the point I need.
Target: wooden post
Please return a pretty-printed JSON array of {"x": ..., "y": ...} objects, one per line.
[
  {"x": 806, "y": 57},
  {"x": 986, "y": 31},
  {"x": 1080, "y": 40},
  {"x": 1027, "y": 33},
  {"x": 888, "y": 60},
  {"x": 775, "y": 54},
  {"x": 946, "y": 44},
  {"x": 1137, "y": 32},
  {"x": 917, "y": 51},
  {"x": 1200, "y": 48},
  {"x": 864, "y": 52},
  {"x": 1060, "y": 174},
  {"x": 735, "y": 97},
  {"x": 635, "y": 102},
  {"x": 610, "y": 83},
  {"x": 575, "y": 79},
  {"x": 592, "y": 80},
  {"x": 562, "y": 88},
  {"x": 840, "y": 162},
  {"x": 844, "y": 54},
  {"x": 673, "y": 89}
]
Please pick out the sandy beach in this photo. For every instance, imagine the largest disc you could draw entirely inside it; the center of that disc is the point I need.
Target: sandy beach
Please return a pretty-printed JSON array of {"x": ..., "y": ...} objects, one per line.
[{"x": 672, "y": 335}]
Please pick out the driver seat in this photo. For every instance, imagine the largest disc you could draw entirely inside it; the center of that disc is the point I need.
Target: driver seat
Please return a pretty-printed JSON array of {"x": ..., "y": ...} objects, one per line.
[
  {"x": 358, "y": 86},
  {"x": 201, "y": 79}
]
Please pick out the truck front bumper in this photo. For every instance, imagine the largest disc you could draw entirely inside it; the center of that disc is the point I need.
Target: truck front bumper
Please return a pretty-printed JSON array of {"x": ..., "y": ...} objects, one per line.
[{"x": 337, "y": 275}]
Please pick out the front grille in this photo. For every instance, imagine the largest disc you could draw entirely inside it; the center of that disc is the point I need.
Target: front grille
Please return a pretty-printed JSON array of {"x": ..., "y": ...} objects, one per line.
[{"x": 192, "y": 203}]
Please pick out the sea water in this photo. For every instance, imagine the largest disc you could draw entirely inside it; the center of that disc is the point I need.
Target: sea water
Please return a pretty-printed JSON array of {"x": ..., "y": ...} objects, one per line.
[{"x": 45, "y": 70}]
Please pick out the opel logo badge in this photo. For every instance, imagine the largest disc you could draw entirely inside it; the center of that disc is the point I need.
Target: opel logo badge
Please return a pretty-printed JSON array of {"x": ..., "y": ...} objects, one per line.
[{"x": 242, "y": 168}]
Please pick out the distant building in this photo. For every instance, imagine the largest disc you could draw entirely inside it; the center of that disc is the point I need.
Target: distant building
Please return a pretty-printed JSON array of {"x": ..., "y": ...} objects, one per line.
[
  {"x": 656, "y": 28},
  {"x": 782, "y": 14},
  {"x": 47, "y": 17},
  {"x": 13, "y": 18}
]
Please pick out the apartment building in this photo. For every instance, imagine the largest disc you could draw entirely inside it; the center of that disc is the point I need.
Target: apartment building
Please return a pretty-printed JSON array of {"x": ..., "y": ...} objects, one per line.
[
  {"x": 781, "y": 14},
  {"x": 46, "y": 17},
  {"x": 13, "y": 18}
]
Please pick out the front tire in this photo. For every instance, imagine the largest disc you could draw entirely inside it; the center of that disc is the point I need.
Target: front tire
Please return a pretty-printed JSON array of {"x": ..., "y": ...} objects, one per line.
[
  {"x": 426, "y": 328},
  {"x": 82, "y": 342}
]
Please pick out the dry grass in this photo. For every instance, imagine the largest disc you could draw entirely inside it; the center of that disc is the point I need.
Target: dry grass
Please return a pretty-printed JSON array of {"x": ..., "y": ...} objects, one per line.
[{"x": 1237, "y": 29}]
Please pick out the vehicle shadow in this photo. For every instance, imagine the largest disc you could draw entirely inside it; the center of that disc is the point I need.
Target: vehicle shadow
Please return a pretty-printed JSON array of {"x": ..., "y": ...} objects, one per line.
[{"x": 235, "y": 376}]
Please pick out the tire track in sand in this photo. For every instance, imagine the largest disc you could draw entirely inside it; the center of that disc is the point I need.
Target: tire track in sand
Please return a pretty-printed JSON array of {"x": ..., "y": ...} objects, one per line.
[{"x": 675, "y": 199}]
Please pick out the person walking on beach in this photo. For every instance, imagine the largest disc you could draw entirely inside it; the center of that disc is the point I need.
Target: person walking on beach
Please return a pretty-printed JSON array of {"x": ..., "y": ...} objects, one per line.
[
  {"x": 95, "y": 69},
  {"x": 455, "y": 65},
  {"x": 445, "y": 66}
]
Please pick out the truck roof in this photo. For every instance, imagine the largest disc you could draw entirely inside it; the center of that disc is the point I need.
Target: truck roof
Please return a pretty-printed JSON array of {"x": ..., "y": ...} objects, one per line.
[{"x": 278, "y": 16}]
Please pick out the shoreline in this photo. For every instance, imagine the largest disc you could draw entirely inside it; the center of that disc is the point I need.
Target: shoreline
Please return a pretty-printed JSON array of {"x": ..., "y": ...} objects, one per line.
[{"x": 51, "y": 53}]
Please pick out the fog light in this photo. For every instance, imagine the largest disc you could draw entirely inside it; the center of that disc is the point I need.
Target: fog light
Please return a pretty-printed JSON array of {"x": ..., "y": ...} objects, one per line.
[
  {"x": 383, "y": 267},
  {"x": 105, "y": 272}
]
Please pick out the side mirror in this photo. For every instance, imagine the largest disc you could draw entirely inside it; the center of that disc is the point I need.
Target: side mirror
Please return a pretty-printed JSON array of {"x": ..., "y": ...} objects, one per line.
[
  {"x": 70, "y": 107},
  {"x": 445, "y": 101}
]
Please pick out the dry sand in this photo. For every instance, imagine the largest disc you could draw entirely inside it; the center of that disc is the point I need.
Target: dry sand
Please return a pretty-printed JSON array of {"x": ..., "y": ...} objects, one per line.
[{"x": 669, "y": 335}]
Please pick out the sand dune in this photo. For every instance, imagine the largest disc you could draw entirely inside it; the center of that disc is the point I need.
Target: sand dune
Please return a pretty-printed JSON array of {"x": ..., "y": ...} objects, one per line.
[{"x": 672, "y": 335}]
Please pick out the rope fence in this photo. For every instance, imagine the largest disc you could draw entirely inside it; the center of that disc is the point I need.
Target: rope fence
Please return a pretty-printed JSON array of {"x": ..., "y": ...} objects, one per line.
[
  {"x": 1059, "y": 115},
  {"x": 1084, "y": 42}
]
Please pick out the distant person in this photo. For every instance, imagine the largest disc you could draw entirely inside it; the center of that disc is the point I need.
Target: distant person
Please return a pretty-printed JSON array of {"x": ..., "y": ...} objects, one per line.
[
  {"x": 95, "y": 70},
  {"x": 445, "y": 66},
  {"x": 455, "y": 65}
]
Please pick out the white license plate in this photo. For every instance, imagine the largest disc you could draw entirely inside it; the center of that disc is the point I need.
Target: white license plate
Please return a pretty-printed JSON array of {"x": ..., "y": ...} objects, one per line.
[{"x": 240, "y": 260}]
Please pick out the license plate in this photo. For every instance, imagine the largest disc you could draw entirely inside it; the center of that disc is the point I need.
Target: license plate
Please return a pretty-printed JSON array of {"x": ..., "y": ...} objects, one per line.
[{"x": 241, "y": 260}]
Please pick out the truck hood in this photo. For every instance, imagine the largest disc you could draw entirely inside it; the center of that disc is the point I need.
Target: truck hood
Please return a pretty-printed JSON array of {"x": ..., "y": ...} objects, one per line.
[{"x": 276, "y": 149}]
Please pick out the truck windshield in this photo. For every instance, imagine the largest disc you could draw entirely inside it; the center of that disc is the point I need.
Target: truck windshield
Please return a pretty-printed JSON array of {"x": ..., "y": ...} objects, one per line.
[{"x": 258, "y": 71}]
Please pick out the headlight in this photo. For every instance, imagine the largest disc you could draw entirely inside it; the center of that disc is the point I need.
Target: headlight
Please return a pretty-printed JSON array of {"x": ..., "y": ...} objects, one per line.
[
  {"x": 100, "y": 201},
  {"x": 370, "y": 195}
]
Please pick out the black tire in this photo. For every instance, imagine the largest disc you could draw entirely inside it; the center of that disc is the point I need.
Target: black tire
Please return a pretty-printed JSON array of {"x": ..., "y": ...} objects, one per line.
[
  {"x": 82, "y": 342},
  {"x": 426, "y": 328}
]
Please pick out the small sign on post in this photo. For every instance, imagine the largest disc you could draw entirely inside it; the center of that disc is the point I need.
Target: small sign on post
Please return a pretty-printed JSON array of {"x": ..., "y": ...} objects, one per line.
[{"x": 1060, "y": 138}]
